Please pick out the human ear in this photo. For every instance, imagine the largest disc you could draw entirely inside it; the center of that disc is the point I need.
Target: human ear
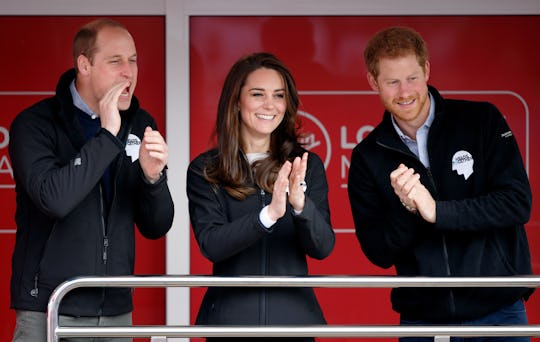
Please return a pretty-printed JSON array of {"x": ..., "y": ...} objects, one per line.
[
  {"x": 426, "y": 70},
  {"x": 372, "y": 82},
  {"x": 83, "y": 64}
]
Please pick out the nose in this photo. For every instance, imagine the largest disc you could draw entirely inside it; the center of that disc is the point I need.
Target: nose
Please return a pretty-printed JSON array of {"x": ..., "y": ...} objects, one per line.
[
  {"x": 268, "y": 102},
  {"x": 127, "y": 70},
  {"x": 404, "y": 89}
]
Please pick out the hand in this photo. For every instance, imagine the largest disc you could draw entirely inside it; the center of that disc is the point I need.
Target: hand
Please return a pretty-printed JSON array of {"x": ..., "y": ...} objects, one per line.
[
  {"x": 288, "y": 180},
  {"x": 297, "y": 197},
  {"x": 403, "y": 180},
  {"x": 153, "y": 154},
  {"x": 109, "y": 114},
  {"x": 424, "y": 202},
  {"x": 277, "y": 207},
  {"x": 412, "y": 193}
]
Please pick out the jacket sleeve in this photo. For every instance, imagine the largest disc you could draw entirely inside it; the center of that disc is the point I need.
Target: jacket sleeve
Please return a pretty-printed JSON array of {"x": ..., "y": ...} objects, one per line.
[
  {"x": 156, "y": 209},
  {"x": 314, "y": 229},
  {"x": 56, "y": 187},
  {"x": 502, "y": 197},
  {"x": 383, "y": 233},
  {"x": 218, "y": 237}
]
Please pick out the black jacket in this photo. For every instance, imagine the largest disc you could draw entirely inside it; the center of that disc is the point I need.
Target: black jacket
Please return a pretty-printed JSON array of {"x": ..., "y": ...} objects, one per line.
[
  {"x": 63, "y": 229},
  {"x": 479, "y": 229},
  {"x": 229, "y": 234}
]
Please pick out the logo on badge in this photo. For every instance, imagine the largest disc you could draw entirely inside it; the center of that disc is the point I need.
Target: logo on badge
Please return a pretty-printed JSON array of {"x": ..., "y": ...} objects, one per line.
[
  {"x": 133, "y": 144},
  {"x": 462, "y": 163}
]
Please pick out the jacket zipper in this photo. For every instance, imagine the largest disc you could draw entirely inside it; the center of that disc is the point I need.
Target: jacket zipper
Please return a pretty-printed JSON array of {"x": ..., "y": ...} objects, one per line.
[
  {"x": 262, "y": 317},
  {"x": 445, "y": 252},
  {"x": 103, "y": 229},
  {"x": 35, "y": 291},
  {"x": 105, "y": 246},
  {"x": 103, "y": 224},
  {"x": 443, "y": 240}
]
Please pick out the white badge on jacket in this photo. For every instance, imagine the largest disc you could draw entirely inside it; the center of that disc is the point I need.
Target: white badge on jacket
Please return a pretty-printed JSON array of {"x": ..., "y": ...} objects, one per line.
[
  {"x": 133, "y": 145},
  {"x": 463, "y": 162}
]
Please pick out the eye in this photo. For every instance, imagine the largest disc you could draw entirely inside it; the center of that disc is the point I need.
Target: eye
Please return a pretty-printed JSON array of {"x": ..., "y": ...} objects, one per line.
[
  {"x": 280, "y": 95},
  {"x": 256, "y": 94}
]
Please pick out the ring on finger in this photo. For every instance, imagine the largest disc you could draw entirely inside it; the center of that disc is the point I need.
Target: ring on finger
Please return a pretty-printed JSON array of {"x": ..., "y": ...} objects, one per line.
[{"x": 303, "y": 185}]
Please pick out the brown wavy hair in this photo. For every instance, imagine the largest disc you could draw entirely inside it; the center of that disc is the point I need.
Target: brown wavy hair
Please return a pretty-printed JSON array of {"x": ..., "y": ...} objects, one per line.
[
  {"x": 394, "y": 42},
  {"x": 231, "y": 169}
]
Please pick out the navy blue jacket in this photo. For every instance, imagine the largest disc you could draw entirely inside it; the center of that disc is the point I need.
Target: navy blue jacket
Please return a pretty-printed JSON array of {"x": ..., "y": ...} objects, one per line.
[
  {"x": 479, "y": 229},
  {"x": 230, "y": 234},
  {"x": 65, "y": 228}
]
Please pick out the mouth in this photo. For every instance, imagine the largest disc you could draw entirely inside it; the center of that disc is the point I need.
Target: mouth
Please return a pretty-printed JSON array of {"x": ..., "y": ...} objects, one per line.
[
  {"x": 406, "y": 102},
  {"x": 125, "y": 92},
  {"x": 265, "y": 116}
]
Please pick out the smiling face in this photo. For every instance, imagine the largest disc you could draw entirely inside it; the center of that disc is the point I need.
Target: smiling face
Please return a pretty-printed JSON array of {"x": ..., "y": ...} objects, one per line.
[
  {"x": 402, "y": 87},
  {"x": 262, "y": 108},
  {"x": 114, "y": 62}
]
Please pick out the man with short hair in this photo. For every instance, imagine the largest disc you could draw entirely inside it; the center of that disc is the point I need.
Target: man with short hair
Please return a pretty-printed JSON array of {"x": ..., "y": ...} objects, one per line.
[
  {"x": 439, "y": 189},
  {"x": 89, "y": 164}
]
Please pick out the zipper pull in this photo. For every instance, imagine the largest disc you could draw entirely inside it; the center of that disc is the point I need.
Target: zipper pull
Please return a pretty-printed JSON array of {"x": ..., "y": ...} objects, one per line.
[
  {"x": 105, "y": 245},
  {"x": 34, "y": 292},
  {"x": 262, "y": 197}
]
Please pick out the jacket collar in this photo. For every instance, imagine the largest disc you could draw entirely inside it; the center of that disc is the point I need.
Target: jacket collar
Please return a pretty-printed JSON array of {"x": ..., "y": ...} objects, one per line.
[
  {"x": 64, "y": 95},
  {"x": 388, "y": 136},
  {"x": 67, "y": 111}
]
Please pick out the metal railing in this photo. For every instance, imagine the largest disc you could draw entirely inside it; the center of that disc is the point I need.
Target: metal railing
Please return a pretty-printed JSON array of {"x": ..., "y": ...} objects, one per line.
[{"x": 54, "y": 331}]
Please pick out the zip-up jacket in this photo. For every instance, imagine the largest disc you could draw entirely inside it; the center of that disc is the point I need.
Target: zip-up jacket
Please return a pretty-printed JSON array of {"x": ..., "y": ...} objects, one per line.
[
  {"x": 65, "y": 228},
  {"x": 230, "y": 234},
  {"x": 480, "y": 217}
]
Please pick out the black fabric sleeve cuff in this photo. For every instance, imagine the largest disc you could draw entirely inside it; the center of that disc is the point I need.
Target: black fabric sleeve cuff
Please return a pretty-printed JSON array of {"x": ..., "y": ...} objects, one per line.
[{"x": 112, "y": 137}]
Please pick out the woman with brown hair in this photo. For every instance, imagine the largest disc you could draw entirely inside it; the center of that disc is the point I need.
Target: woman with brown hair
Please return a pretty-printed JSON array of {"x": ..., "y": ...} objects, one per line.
[{"x": 258, "y": 202}]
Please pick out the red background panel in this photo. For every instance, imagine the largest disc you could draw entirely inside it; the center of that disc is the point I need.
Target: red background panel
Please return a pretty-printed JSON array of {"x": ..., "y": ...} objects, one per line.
[
  {"x": 492, "y": 58},
  {"x": 494, "y": 54},
  {"x": 36, "y": 51}
]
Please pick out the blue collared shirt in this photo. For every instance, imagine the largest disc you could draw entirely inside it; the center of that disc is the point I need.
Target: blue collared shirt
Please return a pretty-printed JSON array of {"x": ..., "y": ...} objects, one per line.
[
  {"x": 419, "y": 146},
  {"x": 79, "y": 102}
]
